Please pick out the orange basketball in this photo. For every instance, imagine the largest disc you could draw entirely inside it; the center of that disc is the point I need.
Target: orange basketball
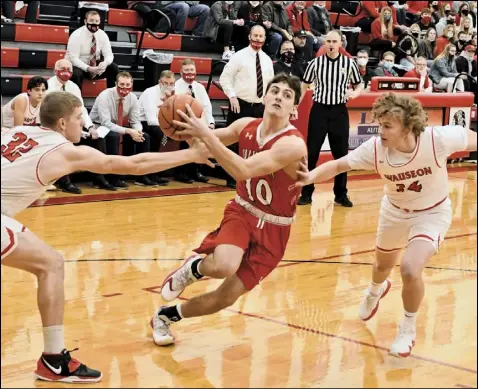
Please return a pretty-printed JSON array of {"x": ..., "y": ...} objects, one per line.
[{"x": 167, "y": 113}]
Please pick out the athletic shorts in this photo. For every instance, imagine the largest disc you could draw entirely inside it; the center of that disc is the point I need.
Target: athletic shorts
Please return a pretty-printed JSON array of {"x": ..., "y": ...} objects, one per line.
[
  {"x": 10, "y": 229},
  {"x": 397, "y": 227},
  {"x": 263, "y": 247}
]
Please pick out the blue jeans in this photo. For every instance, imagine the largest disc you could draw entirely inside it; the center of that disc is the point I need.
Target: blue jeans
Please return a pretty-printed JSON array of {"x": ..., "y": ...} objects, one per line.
[
  {"x": 275, "y": 40},
  {"x": 183, "y": 10}
]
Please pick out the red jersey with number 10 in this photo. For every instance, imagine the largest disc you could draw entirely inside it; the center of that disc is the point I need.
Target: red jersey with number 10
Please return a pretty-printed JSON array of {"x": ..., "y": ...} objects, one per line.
[{"x": 274, "y": 193}]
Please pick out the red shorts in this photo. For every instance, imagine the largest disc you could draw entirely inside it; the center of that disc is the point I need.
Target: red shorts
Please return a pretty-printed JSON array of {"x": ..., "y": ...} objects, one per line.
[{"x": 263, "y": 247}]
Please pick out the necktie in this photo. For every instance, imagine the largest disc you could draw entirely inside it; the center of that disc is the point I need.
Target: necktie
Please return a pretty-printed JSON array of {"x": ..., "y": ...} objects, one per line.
[
  {"x": 260, "y": 83},
  {"x": 63, "y": 88},
  {"x": 93, "y": 51},
  {"x": 119, "y": 120},
  {"x": 192, "y": 91}
]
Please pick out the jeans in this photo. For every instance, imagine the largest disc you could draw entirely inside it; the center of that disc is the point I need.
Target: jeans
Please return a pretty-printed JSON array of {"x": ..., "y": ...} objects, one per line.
[
  {"x": 275, "y": 40},
  {"x": 184, "y": 10},
  {"x": 8, "y": 10}
]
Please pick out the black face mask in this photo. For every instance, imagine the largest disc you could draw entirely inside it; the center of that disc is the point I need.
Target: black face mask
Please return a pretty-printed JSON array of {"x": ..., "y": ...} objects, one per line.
[
  {"x": 447, "y": 12},
  {"x": 390, "y": 2},
  {"x": 462, "y": 41},
  {"x": 416, "y": 34},
  {"x": 287, "y": 56},
  {"x": 92, "y": 27},
  {"x": 451, "y": 56},
  {"x": 465, "y": 12},
  {"x": 450, "y": 21}
]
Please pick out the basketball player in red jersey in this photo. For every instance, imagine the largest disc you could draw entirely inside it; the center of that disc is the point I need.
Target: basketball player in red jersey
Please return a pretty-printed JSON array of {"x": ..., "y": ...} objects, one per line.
[{"x": 253, "y": 235}]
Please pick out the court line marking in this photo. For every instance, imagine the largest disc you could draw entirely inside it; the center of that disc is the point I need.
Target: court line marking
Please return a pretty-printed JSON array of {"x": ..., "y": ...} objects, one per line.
[{"x": 329, "y": 335}]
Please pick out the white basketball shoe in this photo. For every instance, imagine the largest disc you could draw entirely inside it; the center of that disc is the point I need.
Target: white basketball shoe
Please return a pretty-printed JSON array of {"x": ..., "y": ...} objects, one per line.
[
  {"x": 175, "y": 283},
  {"x": 369, "y": 306},
  {"x": 404, "y": 342},
  {"x": 162, "y": 335}
]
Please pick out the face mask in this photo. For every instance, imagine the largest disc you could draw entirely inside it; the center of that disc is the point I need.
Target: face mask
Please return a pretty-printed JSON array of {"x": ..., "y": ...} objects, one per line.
[
  {"x": 92, "y": 27},
  {"x": 447, "y": 12},
  {"x": 387, "y": 17},
  {"x": 449, "y": 35},
  {"x": 189, "y": 77},
  {"x": 426, "y": 19},
  {"x": 451, "y": 56},
  {"x": 229, "y": 2},
  {"x": 388, "y": 65},
  {"x": 462, "y": 41},
  {"x": 123, "y": 92},
  {"x": 254, "y": 4},
  {"x": 416, "y": 34},
  {"x": 465, "y": 12},
  {"x": 166, "y": 88},
  {"x": 256, "y": 45},
  {"x": 287, "y": 56},
  {"x": 450, "y": 21},
  {"x": 362, "y": 61},
  {"x": 63, "y": 75}
]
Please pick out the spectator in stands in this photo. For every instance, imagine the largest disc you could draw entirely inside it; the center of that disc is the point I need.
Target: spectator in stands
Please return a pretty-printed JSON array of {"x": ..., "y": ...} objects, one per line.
[
  {"x": 466, "y": 27},
  {"x": 299, "y": 21},
  {"x": 464, "y": 64},
  {"x": 61, "y": 82},
  {"x": 187, "y": 84},
  {"x": 426, "y": 46},
  {"x": 366, "y": 72},
  {"x": 8, "y": 10},
  {"x": 461, "y": 42},
  {"x": 400, "y": 8},
  {"x": 303, "y": 54},
  {"x": 278, "y": 26},
  {"x": 245, "y": 78},
  {"x": 149, "y": 102},
  {"x": 457, "y": 5},
  {"x": 371, "y": 12},
  {"x": 448, "y": 20},
  {"x": 385, "y": 67},
  {"x": 434, "y": 7},
  {"x": 192, "y": 9},
  {"x": 24, "y": 109},
  {"x": 113, "y": 109},
  {"x": 382, "y": 31},
  {"x": 406, "y": 51},
  {"x": 421, "y": 72},
  {"x": 473, "y": 40},
  {"x": 223, "y": 26},
  {"x": 425, "y": 22},
  {"x": 463, "y": 13},
  {"x": 89, "y": 50},
  {"x": 444, "y": 40},
  {"x": 251, "y": 13},
  {"x": 319, "y": 21},
  {"x": 443, "y": 71},
  {"x": 145, "y": 9},
  {"x": 414, "y": 10},
  {"x": 415, "y": 31},
  {"x": 287, "y": 63}
]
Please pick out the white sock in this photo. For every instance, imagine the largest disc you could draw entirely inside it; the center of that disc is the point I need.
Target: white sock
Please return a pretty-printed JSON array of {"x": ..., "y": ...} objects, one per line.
[
  {"x": 53, "y": 339},
  {"x": 375, "y": 288},
  {"x": 178, "y": 307},
  {"x": 410, "y": 319}
]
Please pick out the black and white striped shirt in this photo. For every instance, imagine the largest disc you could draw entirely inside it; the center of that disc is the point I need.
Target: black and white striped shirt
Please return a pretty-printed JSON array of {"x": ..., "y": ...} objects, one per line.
[{"x": 331, "y": 78}]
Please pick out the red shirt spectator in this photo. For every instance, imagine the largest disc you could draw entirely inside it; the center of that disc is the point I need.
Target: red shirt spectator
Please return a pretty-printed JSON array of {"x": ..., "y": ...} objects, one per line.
[
  {"x": 417, "y": 6},
  {"x": 323, "y": 51},
  {"x": 413, "y": 73},
  {"x": 377, "y": 31},
  {"x": 298, "y": 19}
]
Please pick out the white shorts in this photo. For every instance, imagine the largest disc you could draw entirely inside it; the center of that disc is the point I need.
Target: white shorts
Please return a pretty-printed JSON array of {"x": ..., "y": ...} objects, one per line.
[
  {"x": 397, "y": 228},
  {"x": 10, "y": 229}
]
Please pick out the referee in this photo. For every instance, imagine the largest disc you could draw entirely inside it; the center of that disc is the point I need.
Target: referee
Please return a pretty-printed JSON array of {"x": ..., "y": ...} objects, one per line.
[{"x": 332, "y": 74}]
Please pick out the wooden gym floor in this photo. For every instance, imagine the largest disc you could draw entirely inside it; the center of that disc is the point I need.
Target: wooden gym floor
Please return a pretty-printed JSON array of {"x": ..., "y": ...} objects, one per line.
[{"x": 299, "y": 328}]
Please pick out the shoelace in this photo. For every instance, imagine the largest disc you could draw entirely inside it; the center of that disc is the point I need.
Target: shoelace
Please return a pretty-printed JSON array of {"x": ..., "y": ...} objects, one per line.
[{"x": 162, "y": 326}]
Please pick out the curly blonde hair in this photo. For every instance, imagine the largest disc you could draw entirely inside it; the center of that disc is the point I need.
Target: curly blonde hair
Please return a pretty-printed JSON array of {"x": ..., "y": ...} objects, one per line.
[{"x": 403, "y": 108}]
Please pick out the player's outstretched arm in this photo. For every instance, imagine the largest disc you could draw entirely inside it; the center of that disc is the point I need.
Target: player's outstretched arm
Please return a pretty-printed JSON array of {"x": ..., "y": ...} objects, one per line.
[
  {"x": 69, "y": 159},
  {"x": 230, "y": 135},
  {"x": 322, "y": 173},
  {"x": 472, "y": 146}
]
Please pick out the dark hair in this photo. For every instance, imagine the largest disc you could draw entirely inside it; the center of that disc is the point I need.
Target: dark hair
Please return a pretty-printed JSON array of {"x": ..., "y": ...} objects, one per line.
[
  {"x": 57, "y": 105},
  {"x": 286, "y": 41},
  {"x": 37, "y": 81},
  {"x": 292, "y": 81}
]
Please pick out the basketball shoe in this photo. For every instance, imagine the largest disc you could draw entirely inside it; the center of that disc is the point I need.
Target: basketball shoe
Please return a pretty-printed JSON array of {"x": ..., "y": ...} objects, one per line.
[
  {"x": 404, "y": 342},
  {"x": 369, "y": 306},
  {"x": 162, "y": 335},
  {"x": 175, "y": 283},
  {"x": 63, "y": 368}
]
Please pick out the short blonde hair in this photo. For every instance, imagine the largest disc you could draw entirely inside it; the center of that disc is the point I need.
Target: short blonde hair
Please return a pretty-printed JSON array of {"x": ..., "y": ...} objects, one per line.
[
  {"x": 404, "y": 108},
  {"x": 57, "y": 105},
  {"x": 166, "y": 74},
  {"x": 187, "y": 61}
]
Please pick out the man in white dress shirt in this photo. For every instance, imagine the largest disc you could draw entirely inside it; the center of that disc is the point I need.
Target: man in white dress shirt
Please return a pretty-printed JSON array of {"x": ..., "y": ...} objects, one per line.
[
  {"x": 89, "y": 50},
  {"x": 117, "y": 109},
  {"x": 61, "y": 81},
  {"x": 149, "y": 103},
  {"x": 187, "y": 84},
  {"x": 244, "y": 80}
]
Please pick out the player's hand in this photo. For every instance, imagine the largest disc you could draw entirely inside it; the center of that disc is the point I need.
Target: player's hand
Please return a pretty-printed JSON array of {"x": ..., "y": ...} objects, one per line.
[
  {"x": 93, "y": 133},
  {"x": 236, "y": 108},
  {"x": 191, "y": 124},
  {"x": 303, "y": 175},
  {"x": 212, "y": 126},
  {"x": 351, "y": 94},
  {"x": 201, "y": 152}
]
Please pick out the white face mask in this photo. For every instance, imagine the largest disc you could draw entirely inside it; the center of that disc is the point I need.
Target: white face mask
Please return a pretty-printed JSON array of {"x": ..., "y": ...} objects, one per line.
[
  {"x": 229, "y": 2},
  {"x": 362, "y": 61},
  {"x": 254, "y": 3}
]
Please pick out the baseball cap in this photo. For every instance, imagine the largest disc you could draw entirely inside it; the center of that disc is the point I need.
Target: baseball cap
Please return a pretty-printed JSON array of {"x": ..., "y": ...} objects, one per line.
[{"x": 300, "y": 33}]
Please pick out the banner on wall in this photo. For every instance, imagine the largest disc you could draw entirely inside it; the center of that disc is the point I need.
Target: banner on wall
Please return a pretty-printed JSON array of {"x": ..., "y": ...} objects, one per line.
[
  {"x": 460, "y": 116},
  {"x": 362, "y": 126}
]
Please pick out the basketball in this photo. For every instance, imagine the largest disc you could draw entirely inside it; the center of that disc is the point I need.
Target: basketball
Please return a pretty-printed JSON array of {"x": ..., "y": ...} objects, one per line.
[{"x": 168, "y": 113}]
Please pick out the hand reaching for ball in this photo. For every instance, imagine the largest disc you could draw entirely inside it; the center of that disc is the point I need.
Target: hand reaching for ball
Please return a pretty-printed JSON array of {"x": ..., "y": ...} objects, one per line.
[
  {"x": 191, "y": 124},
  {"x": 201, "y": 151}
]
